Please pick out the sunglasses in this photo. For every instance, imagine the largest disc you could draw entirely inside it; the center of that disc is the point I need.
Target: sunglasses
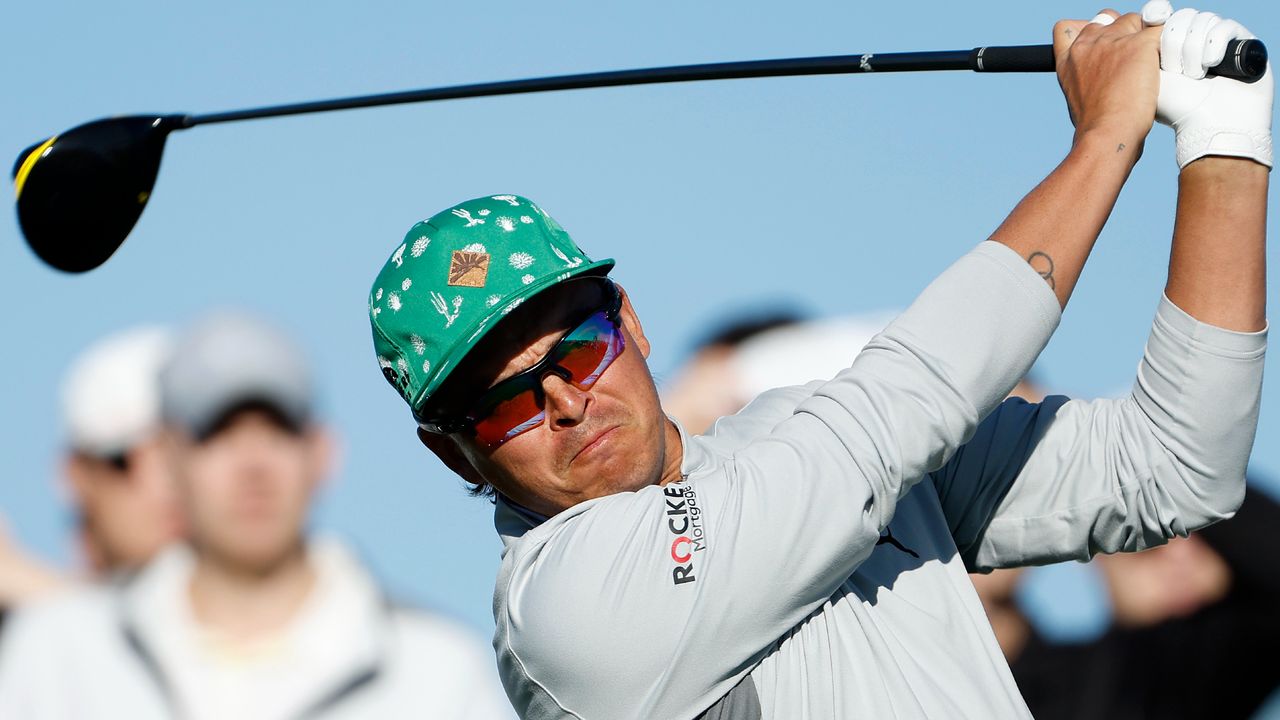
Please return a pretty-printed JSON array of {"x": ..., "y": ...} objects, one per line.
[{"x": 517, "y": 404}]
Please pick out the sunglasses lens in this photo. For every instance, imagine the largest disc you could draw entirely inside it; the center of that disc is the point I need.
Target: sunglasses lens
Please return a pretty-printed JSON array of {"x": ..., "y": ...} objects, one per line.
[
  {"x": 513, "y": 407},
  {"x": 509, "y": 418},
  {"x": 586, "y": 351}
]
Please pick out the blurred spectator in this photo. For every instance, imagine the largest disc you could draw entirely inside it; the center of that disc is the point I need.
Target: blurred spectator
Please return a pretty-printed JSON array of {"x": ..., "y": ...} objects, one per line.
[
  {"x": 1194, "y": 626},
  {"x": 251, "y": 618},
  {"x": 745, "y": 358},
  {"x": 1194, "y": 632},
  {"x": 120, "y": 487},
  {"x": 704, "y": 389}
]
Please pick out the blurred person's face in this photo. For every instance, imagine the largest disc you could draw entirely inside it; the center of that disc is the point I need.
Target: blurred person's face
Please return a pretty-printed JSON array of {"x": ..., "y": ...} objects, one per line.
[
  {"x": 706, "y": 389},
  {"x": 247, "y": 488},
  {"x": 1167, "y": 582},
  {"x": 607, "y": 439},
  {"x": 127, "y": 505}
]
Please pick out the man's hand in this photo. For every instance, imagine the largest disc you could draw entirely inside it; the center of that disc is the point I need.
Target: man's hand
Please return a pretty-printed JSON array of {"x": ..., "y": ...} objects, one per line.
[
  {"x": 1209, "y": 115},
  {"x": 1108, "y": 70}
]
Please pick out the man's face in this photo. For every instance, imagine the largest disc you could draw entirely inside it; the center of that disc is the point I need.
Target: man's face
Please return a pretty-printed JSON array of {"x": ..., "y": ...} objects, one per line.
[
  {"x": 607, "y": 439},
  {"x": 128, "y": 507},
  {"x": 246, "y": 488}
]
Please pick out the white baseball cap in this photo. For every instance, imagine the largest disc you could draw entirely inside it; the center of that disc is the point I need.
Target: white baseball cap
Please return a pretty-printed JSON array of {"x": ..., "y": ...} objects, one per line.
[{"x": 111, "y": 392}]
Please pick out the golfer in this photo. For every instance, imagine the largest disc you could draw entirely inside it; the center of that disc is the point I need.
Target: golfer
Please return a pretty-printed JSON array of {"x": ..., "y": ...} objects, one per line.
[{"x": 807, "y": 558}]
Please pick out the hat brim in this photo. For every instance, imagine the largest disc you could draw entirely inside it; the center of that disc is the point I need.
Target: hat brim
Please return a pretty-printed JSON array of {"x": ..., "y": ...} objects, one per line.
[{"x": 483, "y": 326}]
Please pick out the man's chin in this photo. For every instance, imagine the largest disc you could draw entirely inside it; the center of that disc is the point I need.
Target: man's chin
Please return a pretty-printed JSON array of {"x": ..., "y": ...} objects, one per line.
[
  {"x": 614, "y": 473},
  {"x": 255, "y": 555}
]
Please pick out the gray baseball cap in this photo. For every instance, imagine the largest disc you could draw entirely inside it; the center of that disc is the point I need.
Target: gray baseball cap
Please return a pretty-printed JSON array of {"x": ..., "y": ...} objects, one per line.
[{"x": 229, "y": 360}]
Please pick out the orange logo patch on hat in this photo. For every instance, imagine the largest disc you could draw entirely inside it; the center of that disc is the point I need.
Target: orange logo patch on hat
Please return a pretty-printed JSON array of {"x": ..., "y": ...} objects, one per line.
[{"x": 468, "y": 268}]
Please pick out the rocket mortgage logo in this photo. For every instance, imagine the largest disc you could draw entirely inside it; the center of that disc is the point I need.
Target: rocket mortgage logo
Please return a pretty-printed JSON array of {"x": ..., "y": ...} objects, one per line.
[{"x": 684, "y": 520}]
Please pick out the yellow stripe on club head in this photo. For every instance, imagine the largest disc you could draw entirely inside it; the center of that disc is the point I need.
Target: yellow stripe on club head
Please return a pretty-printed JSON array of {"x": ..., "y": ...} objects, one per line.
[{"x": 27, "y": 163}]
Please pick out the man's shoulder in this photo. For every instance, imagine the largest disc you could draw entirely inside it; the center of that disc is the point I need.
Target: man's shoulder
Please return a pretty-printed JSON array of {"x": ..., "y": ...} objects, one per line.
[
  {"x": 754, "y": 421},
  {"x": 575, "y": 564}
]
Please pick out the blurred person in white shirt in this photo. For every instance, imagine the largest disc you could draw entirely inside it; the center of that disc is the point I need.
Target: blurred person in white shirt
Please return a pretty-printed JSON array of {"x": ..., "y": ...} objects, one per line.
[
  {"x": 117, "y": 480},
  {"x": 251, "y": 618}
]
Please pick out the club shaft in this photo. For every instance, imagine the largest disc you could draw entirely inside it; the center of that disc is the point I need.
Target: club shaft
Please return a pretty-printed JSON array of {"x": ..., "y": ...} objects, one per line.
[
  {"x": 1018, "y": 58},
  {"x": 828, "y": 65}
]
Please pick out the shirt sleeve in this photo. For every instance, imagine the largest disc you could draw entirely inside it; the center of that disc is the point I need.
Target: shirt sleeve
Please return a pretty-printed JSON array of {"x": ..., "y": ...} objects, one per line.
[
  {"x": 1066, "y": 479},
  {"x": 694, "y": 581}
]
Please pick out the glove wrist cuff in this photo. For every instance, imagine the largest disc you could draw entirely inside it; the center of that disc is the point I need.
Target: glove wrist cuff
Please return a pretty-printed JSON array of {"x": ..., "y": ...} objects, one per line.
[{"x": 1194, "y": 144}]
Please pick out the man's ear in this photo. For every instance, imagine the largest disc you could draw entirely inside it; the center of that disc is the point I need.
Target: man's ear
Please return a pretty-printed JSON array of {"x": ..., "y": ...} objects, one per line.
[
  {"x": 452, "y": 456},
  {"x": 326, "y": 454},
  {"x": 631, "y": 322}
]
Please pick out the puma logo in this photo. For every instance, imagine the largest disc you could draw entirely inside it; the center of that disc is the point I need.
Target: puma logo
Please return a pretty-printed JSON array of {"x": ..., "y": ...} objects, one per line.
[{"x": 888, "y": 538}]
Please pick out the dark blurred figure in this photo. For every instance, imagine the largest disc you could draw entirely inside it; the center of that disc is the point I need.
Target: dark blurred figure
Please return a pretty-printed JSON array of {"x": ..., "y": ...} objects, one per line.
[
  {"x": 251, "y": 618},
  {"x": 1196, "y": 625},
  {"x": 120, "y": 487}
]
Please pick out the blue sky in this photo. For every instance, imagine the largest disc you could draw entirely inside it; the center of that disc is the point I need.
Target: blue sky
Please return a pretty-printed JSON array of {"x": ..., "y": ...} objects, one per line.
[{"x": 835, "y": 194}]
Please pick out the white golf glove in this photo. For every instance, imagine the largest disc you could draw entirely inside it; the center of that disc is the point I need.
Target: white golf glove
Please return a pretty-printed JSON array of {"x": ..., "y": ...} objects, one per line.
[{"x": 1209, "y": 115}]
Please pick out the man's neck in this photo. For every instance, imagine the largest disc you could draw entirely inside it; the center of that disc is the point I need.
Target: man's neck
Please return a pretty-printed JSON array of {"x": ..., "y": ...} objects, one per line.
[
  {"x": 673, "y": 456},
  {"x": 245, "y": 603}
]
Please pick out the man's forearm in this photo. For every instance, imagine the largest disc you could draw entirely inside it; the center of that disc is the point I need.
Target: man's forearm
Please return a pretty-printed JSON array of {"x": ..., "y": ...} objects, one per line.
[
  {"x": 1055, "y": 226},
  {"x": 1217, "y": 269}
]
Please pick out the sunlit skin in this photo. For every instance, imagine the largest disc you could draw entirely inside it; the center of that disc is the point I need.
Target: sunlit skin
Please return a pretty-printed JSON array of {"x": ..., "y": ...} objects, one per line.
[{"x": 611, "y": 438}]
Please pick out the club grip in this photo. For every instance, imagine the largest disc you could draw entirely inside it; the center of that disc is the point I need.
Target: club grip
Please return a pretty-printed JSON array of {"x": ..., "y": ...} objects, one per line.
[
  {"x": 1012, "y": 58},
  {"x": 1245, "y": 60}
]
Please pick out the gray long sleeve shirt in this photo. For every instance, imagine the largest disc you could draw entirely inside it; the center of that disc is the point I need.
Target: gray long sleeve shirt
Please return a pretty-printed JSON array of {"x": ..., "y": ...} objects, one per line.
[{"x": 813, "y": 561}]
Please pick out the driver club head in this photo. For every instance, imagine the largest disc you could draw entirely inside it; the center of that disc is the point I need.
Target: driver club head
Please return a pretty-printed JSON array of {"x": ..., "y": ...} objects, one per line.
[{"x": 81, "y": 192}]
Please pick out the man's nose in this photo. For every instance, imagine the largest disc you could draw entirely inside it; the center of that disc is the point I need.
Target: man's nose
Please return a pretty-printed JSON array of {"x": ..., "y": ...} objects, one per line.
[{"x": 566, "y": 405}]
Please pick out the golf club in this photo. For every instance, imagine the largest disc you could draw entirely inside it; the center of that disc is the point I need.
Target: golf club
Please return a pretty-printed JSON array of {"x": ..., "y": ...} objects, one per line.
[{"x": 80, "y": 193}]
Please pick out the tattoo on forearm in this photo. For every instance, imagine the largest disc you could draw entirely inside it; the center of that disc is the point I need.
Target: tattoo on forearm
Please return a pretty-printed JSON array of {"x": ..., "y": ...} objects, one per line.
[
  {"x": 1043, "y": 265},
  {"x": 1120, "y": 147}
]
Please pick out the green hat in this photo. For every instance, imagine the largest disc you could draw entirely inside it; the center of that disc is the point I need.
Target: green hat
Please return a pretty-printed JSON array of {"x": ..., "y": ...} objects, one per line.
[{"x": 455, "y": 276}]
